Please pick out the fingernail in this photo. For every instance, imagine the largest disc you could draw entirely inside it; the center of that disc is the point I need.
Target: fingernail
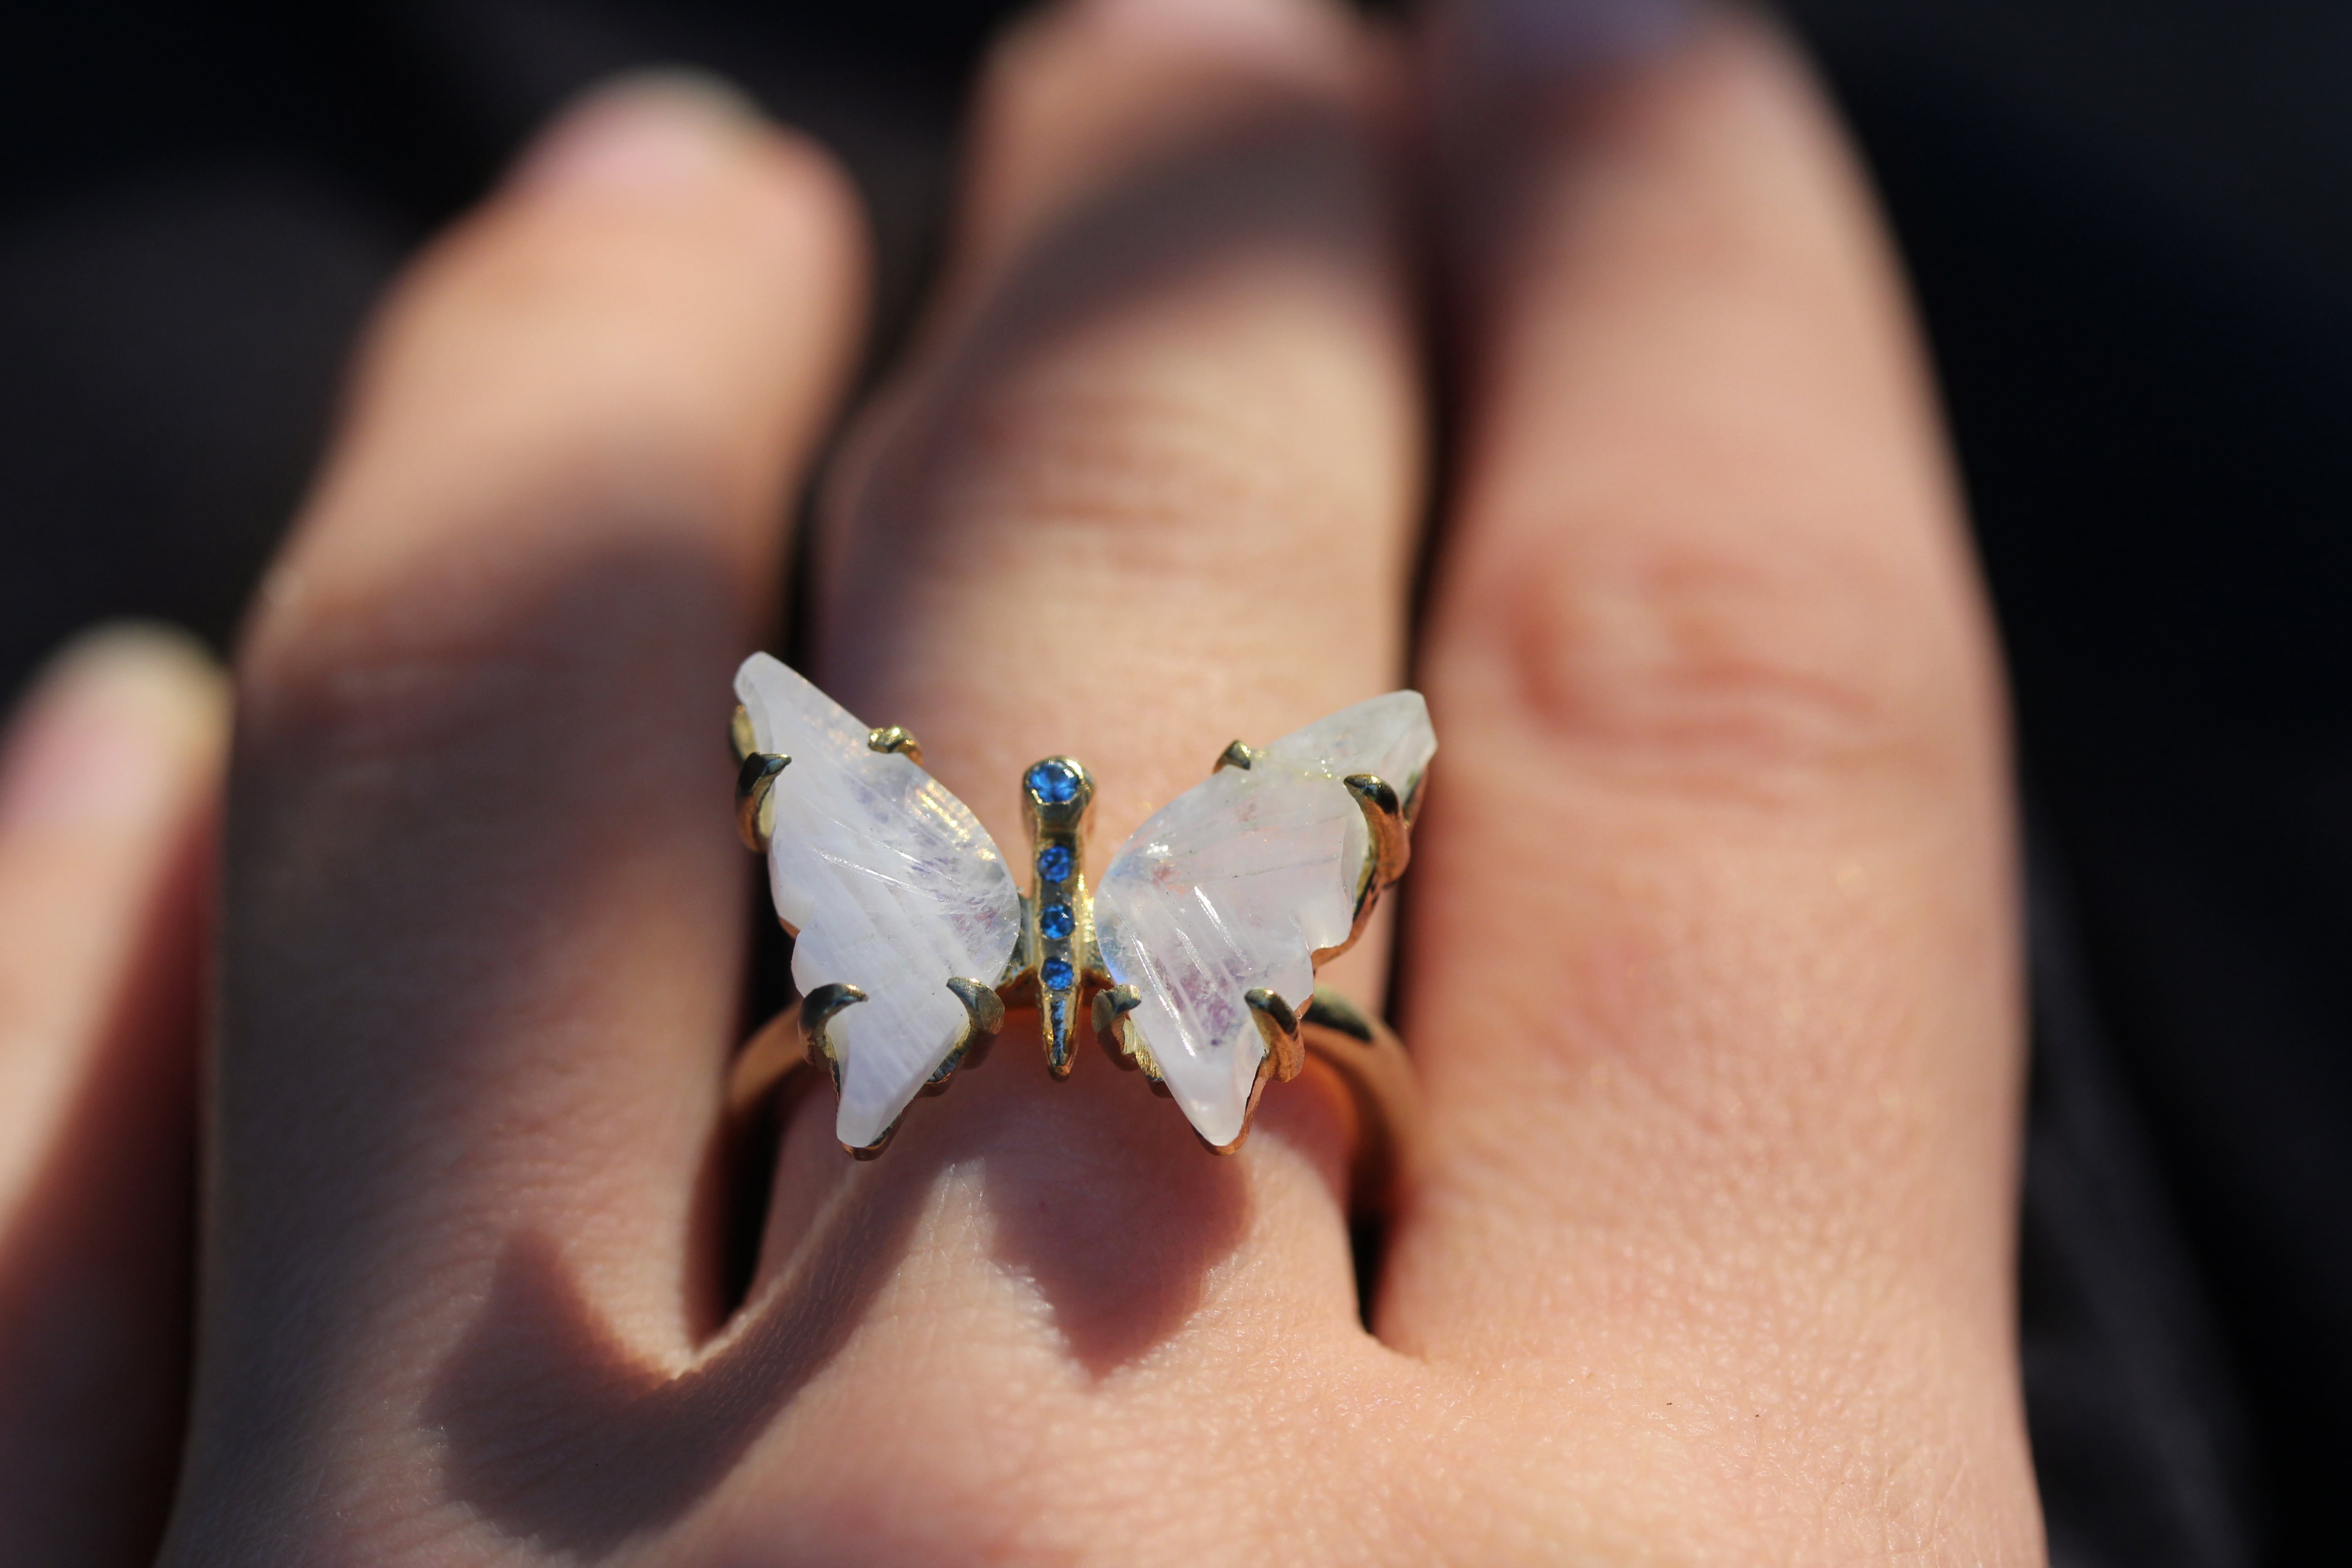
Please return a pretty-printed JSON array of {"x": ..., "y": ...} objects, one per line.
[
  {"x": 1222, "y": 25},
  {"x": 1520, "y": 39},
  {"x": 644, "y": 133},
  {"x": 104, "y": 732}
]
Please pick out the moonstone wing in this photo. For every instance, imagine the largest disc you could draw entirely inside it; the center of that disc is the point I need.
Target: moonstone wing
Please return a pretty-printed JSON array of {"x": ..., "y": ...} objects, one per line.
[
  {"x": 891, "y": 885},
  {"x": 1235, "y": 884}
]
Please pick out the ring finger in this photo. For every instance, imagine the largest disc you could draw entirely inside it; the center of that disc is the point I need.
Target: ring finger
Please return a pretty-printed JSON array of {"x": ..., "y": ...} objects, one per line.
[{"x": 1149, "y": 485}]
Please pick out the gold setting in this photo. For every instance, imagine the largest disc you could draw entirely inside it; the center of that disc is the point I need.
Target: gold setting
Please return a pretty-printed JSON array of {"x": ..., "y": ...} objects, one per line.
[
  {"x": 1390, "y": 846},
  {"x": 817, "y": 1011},
  {"x": 1372, "y": 1064},
  {"x": 984, "y": 1019},
  {"x": 1057, "y": 795},
  {"x": 1278, "y": 1024},
  {"x": 1058, "y": 929},
  {"x": 895, "y": 737},
  {"x": 755, "y": 804}
]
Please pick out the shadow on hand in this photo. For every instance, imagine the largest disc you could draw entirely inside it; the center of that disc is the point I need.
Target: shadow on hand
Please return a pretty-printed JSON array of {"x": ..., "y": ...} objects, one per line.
[
  {"x": 1099, "y": 1195},
  {"x": 555, "y": 1429}
]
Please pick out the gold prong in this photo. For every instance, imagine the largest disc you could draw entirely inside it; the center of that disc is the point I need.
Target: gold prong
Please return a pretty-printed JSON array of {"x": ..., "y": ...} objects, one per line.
[
  {"x": 895, "y": 737},
  {"x": 1113, "y": 1033},
  {"x": 817, "y": 1010},
  {"x": 1277, "y": 1023},
  {"x": 1384, "y": 815},
  {"x": 873, "y": 1151},
  {"x": 1114, "y": 1003},
  {"x": 1235, "y": 755},
  {"x": 983, "y": 1017},
  {"x": 983, "y": 1014},
  {"x": 740, "y": 736},
  {"x": 755, "y": 804},
  {"x": 1249, "y": 1111},
  {"x": 1390, "y": 846},
  {"x": 984, "y": 1006}
]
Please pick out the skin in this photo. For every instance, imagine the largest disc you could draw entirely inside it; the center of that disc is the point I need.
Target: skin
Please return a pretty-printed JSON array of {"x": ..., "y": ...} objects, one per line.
[
  {"x": 1708, "y": 959},
  {"x": 108, "y": 797}
]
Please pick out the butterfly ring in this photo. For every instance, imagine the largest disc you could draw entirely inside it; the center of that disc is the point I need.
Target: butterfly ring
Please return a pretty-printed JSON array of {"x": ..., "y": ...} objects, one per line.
[{"x": 1193, "y": 962}]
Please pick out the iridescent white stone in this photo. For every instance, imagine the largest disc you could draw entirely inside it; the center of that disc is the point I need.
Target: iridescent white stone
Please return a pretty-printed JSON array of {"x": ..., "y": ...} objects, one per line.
[
  {"x": 892, "y": 885},
  {"x": 1235, "y": 884}
]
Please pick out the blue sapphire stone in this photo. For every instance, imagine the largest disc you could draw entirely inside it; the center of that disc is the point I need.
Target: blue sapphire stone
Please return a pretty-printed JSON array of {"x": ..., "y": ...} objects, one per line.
[
  {"x": 1054, "y": 863},
  {"x": 1056, "y": 974},
  {"x": 1056, "y": 920},
  {"x": 1054, "y": 781}
]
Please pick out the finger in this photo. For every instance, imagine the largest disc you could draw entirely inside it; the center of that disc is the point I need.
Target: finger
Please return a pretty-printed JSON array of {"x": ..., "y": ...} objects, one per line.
[
  {"x": 1715, "y": 985},
  {"x": 484, "y": 909},
  {"x": 1149, "y": 486},
  {"x": 1171, "y": 362},
  {"x": 1170, "y": 369},
  {"x": 107, "y": 798}
]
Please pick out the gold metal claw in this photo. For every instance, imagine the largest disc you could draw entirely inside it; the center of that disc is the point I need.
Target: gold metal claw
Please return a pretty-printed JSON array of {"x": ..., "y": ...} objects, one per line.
[
  {"x": 1277, "y": 1021},
  {"x": 1112, "y": 1005},
  {"x": 1389, "y": 847},
  {"x": 755, "y": 804},
  {"x": 817, "y": 1010},
  {"x": 895, "y": 737},
  {"x": 984, "y": 1007},
  {"x": 1236, "y": 756},
  {"x": 983, "y": 1017},
  {"x": 1385, "y": 816},
  {"x": 1113, "y": 1033}
]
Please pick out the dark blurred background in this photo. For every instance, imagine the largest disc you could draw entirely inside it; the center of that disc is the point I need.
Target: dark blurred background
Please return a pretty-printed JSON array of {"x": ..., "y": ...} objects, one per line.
[{"x": 2129, "y": 224}]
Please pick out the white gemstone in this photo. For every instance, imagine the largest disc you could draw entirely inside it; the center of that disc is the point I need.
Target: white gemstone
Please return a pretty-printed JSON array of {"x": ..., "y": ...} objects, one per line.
[
  {"x": 892, "y": 885},
  {"x": 1235, "y": 884},
  {"x": 1388, "y": 736}
]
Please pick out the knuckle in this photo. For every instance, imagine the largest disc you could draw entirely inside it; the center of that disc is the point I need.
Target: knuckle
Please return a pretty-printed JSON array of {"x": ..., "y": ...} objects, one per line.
[
  {"x": 1202, "y": 424},
  {"x": 369, "y": 694},
  {"x": 1756, "y": 674},
  {"x": 1122, "y": 461},
  {"x": 480, "y": 663},
  {"x": 1158, "y": 480}
]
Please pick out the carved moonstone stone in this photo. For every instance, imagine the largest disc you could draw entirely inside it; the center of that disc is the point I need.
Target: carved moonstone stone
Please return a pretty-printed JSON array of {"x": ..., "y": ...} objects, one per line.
[
  {"x": 891, "y": 885},
  {"x": 1236, "y": 884}
]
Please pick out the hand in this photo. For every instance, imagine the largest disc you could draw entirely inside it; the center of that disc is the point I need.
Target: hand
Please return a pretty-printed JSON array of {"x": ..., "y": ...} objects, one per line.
[{"x": 1709, "y": 962}]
